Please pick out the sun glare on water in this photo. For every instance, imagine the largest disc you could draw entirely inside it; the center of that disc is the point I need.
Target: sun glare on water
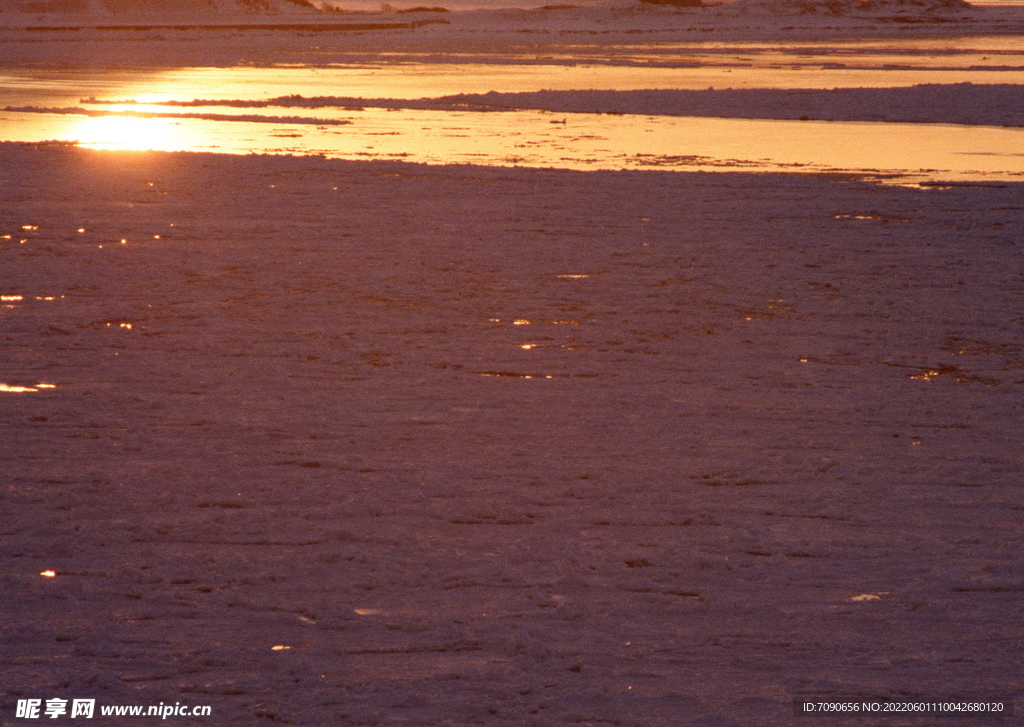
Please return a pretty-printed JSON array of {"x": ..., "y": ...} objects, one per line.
[{"x": 125, "y": 132}]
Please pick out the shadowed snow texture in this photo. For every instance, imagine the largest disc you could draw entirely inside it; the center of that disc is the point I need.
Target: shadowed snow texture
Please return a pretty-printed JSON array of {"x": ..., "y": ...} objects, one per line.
[{"x": 503, "y": 446}]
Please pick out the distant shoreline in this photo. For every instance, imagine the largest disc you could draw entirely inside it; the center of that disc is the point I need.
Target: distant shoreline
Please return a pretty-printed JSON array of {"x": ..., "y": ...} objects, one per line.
[{"x": 295, "y": 27}]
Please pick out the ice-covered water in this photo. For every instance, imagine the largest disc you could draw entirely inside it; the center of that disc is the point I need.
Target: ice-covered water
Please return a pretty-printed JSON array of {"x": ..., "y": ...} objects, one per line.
[{"x": 536, "y": 138}]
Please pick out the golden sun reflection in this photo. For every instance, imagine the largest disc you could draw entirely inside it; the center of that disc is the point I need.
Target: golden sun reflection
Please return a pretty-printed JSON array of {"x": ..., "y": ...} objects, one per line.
[
  {"x": 126, "y": 132},
  {"x": 9, "y": 389}
]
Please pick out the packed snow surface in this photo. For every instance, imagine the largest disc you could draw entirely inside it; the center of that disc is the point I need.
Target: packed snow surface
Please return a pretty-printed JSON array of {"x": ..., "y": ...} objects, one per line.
[{"x": 331, "y": 442}]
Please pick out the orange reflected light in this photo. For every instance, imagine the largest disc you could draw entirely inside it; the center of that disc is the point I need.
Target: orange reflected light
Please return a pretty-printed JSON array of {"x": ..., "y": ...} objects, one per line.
[
  {"x": 7, "y": 388},
  {"x": 125, "y": 132}
]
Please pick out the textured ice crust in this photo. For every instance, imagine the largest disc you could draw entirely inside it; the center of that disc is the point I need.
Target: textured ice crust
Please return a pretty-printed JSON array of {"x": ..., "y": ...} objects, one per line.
[{"x": 503, "y": 446}]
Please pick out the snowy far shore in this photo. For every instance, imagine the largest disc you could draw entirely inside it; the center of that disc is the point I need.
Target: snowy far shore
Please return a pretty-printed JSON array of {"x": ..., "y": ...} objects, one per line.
[{"x": 414, "y": 26}]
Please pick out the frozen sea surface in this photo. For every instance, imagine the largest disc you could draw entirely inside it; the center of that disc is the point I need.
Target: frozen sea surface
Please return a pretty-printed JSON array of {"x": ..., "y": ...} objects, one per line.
[
  {"x": 940, "y": 131},
  {"x": 420, "y": 94},
  {"x": 317, "y": 441},
  {"x": 368, "y": 443}
]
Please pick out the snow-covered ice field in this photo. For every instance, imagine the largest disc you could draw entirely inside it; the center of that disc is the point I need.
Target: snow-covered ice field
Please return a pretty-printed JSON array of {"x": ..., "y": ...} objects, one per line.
[
  {"x": 627, "y": 447},
  {"x": 323, "y": 441}
]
